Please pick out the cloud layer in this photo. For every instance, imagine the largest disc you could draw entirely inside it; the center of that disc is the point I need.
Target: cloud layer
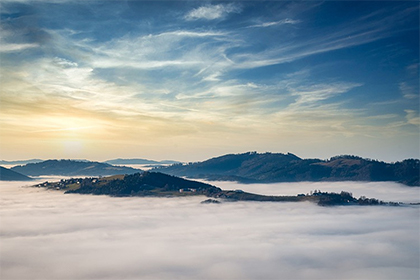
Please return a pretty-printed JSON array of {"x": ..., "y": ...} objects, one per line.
[{"x": 49, "y": 235}]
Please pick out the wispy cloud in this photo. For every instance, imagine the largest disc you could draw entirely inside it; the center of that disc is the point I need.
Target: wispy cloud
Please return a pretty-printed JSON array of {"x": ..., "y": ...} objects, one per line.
[
  {"x": 4, "y": 47},
  {"x": 187, "y": 33},
  {"x": 311, "y": 95},
  {"x": 275, "y": 23},
  {"x": 172, "y": 49},
  {"x": 408, "y": 91},
  {"x": 8, "y": 42},
  {"x": 211, "y": 12},
  {"x": 365, "y": 29},
  {"x": 413, "y": 117},
  {"x": 64, "y": 129},
  {"x": 160, "y": 50}
]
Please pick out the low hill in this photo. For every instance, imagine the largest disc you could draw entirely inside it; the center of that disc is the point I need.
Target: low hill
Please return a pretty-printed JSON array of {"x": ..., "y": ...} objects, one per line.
[
  {"x": 276, "y": 167},
  {"x": 10, "y": 175},
  {"x": 138, "y": 184},
  {"x": 72, "y": 168}
]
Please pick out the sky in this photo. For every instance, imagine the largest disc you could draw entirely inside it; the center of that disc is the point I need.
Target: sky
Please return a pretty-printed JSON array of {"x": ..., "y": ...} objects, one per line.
[
  {"x": 50, "y": 235},
  {"x": 189, "y": 80}
]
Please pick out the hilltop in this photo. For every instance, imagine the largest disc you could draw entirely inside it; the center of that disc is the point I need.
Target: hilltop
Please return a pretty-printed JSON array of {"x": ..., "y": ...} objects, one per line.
[
  {"x": 254, "y": 167},
  {"x": 10, "y": 175},
  {"x": 72, "y": 168}
]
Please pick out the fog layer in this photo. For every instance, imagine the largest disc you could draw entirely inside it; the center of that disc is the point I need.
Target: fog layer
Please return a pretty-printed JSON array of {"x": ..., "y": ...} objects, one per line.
[
  {"x": 51, "y": 235},
  {"x": 386, "y": 191}
]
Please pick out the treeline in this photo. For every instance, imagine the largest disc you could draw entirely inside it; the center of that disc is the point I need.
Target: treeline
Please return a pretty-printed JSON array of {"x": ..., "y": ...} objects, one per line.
[{"x": 346, "y": 198}]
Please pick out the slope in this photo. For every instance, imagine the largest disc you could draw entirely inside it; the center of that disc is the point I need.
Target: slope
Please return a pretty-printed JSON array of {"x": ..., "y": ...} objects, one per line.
[{"x": 10, "y": 175}]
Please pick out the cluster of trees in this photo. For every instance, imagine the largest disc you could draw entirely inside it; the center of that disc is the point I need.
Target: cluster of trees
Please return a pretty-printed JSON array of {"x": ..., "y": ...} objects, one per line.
[
  {"x": 346, "y": 198},
  {"x": 342, "y": 198}
]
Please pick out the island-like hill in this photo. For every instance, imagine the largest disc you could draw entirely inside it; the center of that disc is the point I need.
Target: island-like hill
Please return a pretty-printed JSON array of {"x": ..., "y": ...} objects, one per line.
[
  {"x": 162, "y": 185},
  {"x": 276, "y": 167},
  {"x": 10, "y": 175},
  {"x": 123, "y": 161},
  {"x": 138, "y": 184},
  {"x": 72, "y": 168}
]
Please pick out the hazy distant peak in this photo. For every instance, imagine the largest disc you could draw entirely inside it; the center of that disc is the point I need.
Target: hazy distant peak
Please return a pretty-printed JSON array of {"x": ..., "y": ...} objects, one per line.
[
  {"x": 67, "y": 167},
  {"x": 11, "y": 162},
  {"x": 122, "y": 161}
]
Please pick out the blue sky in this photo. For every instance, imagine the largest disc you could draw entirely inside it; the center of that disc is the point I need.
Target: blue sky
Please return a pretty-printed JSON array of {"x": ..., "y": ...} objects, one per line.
[{"x": 190, "y": 80}]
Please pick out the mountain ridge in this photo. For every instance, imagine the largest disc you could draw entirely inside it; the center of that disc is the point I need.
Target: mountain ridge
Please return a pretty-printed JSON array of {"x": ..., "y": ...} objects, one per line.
[{"x": 252, "y": 167}]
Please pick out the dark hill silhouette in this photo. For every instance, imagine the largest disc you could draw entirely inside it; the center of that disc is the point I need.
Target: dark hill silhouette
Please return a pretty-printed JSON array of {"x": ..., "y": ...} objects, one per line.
[
  {"x": 10, "y": 175},
  {"x": 72, "y": 168},
  {"x": 142, "y": 184},
  {"x": 276, "y": 167}
]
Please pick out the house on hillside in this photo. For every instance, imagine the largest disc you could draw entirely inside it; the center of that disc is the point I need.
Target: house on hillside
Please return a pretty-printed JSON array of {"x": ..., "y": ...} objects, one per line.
[{"x": 187, "y": 190}]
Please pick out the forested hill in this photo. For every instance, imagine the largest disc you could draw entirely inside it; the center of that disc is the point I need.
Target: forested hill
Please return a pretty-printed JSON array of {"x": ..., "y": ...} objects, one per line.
[
  {"x": 10, "y": 175},
  {"x": 72, "y": 168},
  {"x": 138, "y": 184},
  {"x": 276, "y": 167}
]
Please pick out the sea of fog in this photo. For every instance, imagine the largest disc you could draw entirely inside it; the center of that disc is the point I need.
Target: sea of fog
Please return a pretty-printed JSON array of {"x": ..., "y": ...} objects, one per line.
[
  {"x": 386, "y": 191},
  {"x": 50, "y": 235}
]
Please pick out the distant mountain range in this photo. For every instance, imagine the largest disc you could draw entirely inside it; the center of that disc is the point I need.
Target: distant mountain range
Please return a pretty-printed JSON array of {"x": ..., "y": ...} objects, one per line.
[
  {"x": 72, "y": 168},
  {"x": 11, "y": 162},
  {"x": 122, "y": 161},
  {"x": 117, "y": 161},
  {"x": 248, "y": 167},
  {"x": 10, "y": 175},
  {"x": 254, "y": 167}
]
